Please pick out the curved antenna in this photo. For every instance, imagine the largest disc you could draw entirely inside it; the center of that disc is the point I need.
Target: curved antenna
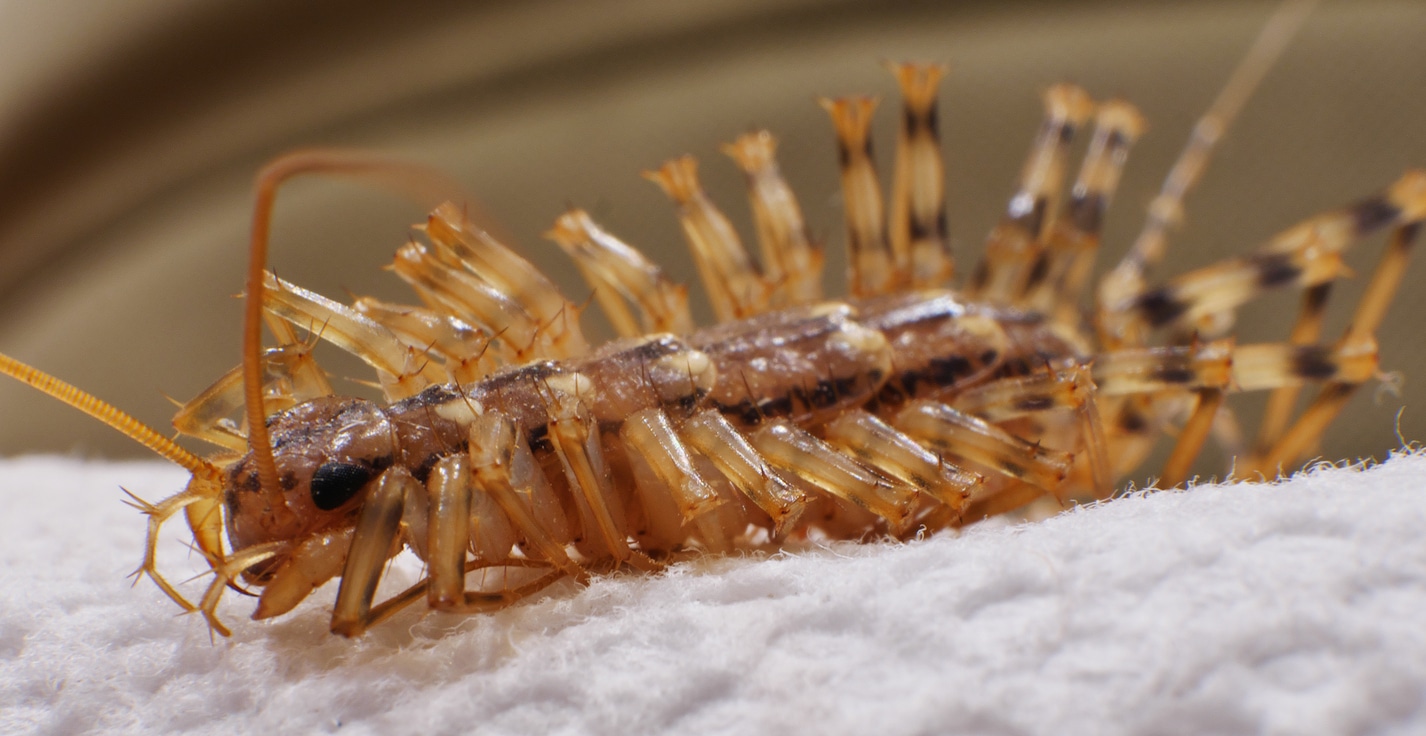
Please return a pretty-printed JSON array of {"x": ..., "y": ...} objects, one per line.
[
  {"x": 108, "y": 414},
  {"x": 422, "y": 184}
]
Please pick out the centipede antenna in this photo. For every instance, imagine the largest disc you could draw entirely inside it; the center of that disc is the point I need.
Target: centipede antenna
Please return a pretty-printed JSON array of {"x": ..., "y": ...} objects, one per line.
[
  {"x": 421, "y": 183},
  {"x": 1166, "y": 210},
  {"x": 108, "y": 414}
]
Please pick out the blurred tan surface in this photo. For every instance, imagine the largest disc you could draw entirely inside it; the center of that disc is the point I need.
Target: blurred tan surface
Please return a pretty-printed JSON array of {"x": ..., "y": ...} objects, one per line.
[{"x": 129, "y": 136}]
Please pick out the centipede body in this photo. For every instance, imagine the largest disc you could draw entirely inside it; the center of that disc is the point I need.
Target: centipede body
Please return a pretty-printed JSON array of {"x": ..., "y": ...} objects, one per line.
[{"x": 953, "y": 137}]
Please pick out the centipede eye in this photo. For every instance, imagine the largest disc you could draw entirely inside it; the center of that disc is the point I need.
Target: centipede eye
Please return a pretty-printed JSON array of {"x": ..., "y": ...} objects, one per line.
[{"x": 335, "y": 483}]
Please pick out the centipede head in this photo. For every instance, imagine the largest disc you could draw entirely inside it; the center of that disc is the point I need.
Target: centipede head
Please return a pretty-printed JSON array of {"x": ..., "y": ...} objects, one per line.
[{"x": 327, "y": 452}]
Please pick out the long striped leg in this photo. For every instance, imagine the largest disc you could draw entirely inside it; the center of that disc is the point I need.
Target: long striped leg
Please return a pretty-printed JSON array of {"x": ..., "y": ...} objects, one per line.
[
  {"x": 917, "y": 230},
  {"x": 732, "y": 278},
  {"x": 1166, "y": 211},
  {"x": 792, "y": 262},
  {"x": 1057, "y": 278},
  {"x": 623, "y": 278},
  {"x": 873, "y": 267},
  {"x": 404, "y": 371},
  {"x": 1167, "y": 378},
  {"x": 672, "y": 492},
  {"x": 1068, "y": 390},
  {"x": 1306, "y": 255},
  {"x": 972, "y": 440},
  {"x": 1015, "y": 244},
  {"x": 1299, "y": 440}
]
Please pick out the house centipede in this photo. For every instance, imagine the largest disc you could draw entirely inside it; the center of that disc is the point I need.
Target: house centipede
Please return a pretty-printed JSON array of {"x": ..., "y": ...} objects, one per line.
[{"x": 509, "y": 443}]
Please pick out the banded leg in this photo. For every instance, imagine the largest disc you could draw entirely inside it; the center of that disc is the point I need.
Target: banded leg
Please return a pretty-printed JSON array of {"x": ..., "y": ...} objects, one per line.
[
  {"x": 874, "y": 268},
  {"x": 465, "y": 351},
  {"x": 1166, "y": 211},
  {"x": 733, "y": 280},
  {"x": 792, "y": 262},
  {"x": 402, "y": 371},
  {"x": 944, "y": 430},
  {"x": 918, "y": 230},
  {"x": 1059, "y": 275},
  {"x": 1308, "y": 254},
  {"x": 672, "y": 492},
  {"x": 506, "y": 469},
  {"x": 730, "y": 452},
  {"x": 1299, "y": 440},
  {"x": 1014, "y": 245},
  {"x": 1157, "y": 382},
  {"x": 786, "y": 446},
  {"x": 1307, "y": 330},
  {"x": 621, "y": 276}
]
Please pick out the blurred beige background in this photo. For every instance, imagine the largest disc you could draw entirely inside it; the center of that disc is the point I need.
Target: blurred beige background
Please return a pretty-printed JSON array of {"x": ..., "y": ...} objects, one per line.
[{"x": 129, "y": 134}]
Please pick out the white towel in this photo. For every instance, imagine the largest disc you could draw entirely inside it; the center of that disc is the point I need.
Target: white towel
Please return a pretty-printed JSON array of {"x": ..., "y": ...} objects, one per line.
[{"x": 1298, "y": 607}]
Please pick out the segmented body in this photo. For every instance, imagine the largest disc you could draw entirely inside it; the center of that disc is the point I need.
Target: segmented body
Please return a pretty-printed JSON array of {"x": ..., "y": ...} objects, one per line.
[
  {"x": 799, "y": 366},
  {"x": 508, "y": 443}
]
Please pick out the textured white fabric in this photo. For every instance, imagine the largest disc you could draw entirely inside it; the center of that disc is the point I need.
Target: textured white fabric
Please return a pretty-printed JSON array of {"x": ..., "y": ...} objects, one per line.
[{"x": 1291, "y": 608}]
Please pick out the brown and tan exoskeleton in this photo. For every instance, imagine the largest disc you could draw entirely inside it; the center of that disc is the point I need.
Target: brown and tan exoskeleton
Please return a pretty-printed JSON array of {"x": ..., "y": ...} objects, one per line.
[{"x": 507, "y": 444}]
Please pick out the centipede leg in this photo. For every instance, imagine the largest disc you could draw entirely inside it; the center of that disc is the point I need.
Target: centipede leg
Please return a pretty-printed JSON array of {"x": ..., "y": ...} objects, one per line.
[
  {"x": 1016, "y": 242},
  {"x": 1385, "y": 281},
  {"x": 897, "y": 455},
  {"x": 874, "y": 267},
  {"x": 792, "y": 261},
  {"x": 462, "y": 518},
  {"x": 574, "y": 434},
  {"x": 622, "y": 277},
  {"x": 956, "y": 434},
  {"x": 732, "y": 278},
  {"x": 795, "y": 451},
  {"x": 467, "y": 273},
  {"x": 403, "y": 370},
  {"x": 737, "y": 460},
  {"x": 1307, "y": 330},
  {"x": 372, "y": 544},
  {"x": 1166, "y": 211},
  {"x": 290, "y": 377},
  {"x": 1191, "y": 438},
  {"x": 1070, "y": 390},
  {"x": 918, "y": 230},
  {"x": 228, "y": 571},
  {"x": 505, "y": 468},
  {"x": 672, "y": 491},
  {"x": 1057, "y": 278},
  {"x": 1305, "y": 255},
  {"x": 202, "y": 495}
]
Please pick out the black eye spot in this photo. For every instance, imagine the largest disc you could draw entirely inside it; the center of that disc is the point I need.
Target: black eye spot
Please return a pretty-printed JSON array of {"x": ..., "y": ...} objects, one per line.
[{"x": 335, "y": 483}]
